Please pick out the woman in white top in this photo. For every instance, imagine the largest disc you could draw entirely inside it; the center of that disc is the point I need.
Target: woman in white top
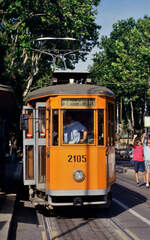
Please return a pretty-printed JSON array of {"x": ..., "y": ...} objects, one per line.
[{"x": 147, "y": 158}]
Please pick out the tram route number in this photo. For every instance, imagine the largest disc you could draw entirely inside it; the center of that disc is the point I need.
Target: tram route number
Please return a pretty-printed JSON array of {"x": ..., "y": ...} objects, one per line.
[{"x": 77, "y": 158}]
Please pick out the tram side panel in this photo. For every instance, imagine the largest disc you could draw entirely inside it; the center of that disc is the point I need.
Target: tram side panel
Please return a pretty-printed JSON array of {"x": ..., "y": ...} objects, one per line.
[{"x": 110, "y": 142}]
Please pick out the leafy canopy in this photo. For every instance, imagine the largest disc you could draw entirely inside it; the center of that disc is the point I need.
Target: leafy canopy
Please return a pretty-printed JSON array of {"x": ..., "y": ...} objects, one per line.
[
  {"x": 22, "y": 21},
  {"x": 123, "y": 63}
]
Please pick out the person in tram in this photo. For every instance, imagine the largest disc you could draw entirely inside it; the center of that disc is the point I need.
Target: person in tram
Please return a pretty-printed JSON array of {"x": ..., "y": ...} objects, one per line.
[{"x": 73, "y": 131}]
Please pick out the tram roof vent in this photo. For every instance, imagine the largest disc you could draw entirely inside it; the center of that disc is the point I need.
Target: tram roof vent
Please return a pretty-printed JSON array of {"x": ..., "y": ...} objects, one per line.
[{"x": 71, "y": 80}]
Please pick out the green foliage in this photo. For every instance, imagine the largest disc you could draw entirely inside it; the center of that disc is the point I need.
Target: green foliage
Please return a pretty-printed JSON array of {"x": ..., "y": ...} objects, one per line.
[
  {"x": 22, "y": 21},
  {"x": 123, "y": 64}
]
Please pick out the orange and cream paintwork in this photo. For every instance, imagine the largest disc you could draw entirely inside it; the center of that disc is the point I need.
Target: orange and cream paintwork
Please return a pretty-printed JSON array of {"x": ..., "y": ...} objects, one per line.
[
  {"x": 96, "y": 161},
  {"x": 98, "y": 175}
]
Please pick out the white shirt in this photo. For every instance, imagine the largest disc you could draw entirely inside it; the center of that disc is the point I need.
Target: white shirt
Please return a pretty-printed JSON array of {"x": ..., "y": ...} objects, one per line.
[{"x": 72, "y": 132}]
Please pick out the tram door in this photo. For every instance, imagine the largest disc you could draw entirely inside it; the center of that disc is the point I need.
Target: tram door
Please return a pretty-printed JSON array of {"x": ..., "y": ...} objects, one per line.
[
  {"x": 34, "y": 145},
  {"x": 28, "y": 145},
  {"x": 40, "y": 147}
]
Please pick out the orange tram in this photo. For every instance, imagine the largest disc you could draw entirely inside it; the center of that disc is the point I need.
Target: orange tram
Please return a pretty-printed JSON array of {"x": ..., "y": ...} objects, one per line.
[{"x": 68, "y": 142}]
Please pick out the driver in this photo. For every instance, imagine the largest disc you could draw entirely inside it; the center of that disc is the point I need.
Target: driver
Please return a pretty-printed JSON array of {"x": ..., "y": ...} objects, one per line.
[{"x": 72, "y": 131}]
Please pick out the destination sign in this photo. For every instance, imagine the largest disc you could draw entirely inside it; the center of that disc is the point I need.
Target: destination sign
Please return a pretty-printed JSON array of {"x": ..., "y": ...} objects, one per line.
[{"x": 78, "y": 102}]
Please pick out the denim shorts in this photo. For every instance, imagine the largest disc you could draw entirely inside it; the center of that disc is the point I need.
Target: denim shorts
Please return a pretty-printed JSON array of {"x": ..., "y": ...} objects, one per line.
[{"x": 139, "y": 166}]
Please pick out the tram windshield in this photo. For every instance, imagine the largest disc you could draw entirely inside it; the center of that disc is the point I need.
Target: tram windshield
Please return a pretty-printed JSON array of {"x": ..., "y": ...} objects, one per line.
[{"x": 78, "y": 126}]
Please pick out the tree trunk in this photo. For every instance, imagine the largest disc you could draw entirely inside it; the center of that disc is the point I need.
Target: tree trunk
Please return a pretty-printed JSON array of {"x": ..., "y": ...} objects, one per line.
[
  {"x": 34, "y": 71},
  {"x": 132, "y": 116}
]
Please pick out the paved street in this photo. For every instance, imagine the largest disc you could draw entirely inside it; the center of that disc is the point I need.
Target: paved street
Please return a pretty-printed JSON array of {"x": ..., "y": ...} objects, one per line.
[{"x": 127, "y": 218}]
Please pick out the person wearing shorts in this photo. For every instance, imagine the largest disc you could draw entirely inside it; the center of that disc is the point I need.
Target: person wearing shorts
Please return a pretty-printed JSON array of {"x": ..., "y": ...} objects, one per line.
[
  {"x": 138, "y": 158},
  {"x": 147, "y": 158}
]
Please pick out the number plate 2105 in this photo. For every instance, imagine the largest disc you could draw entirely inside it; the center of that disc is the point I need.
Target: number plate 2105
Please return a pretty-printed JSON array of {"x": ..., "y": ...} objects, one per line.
[{"x": 77, "y": 158}]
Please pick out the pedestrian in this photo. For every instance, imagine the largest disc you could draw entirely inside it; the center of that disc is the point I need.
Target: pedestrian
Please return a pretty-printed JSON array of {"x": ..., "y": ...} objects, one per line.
[
  {"x": 138, "y": 158},
  {"x": 146, "y": 142}
]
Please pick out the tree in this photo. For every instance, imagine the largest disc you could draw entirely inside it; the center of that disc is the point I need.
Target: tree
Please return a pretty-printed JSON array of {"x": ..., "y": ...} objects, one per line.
[
  {"x": 123, "y": 63},
  {"x": 22, "y": 21}
]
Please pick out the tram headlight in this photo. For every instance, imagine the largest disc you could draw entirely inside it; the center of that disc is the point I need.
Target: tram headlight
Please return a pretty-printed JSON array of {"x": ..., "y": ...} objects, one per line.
[{"x": 78, "y": 175}]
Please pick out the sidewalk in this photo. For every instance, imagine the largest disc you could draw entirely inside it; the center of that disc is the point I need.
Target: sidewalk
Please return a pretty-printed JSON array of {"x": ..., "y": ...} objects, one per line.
[
  {"x": 10, "y": 178},
  {"x": 7, "y": 203}
]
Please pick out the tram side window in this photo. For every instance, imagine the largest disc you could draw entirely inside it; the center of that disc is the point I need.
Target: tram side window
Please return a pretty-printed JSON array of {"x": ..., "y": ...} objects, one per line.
[
  {"x": 29, "y": 153},
  {"x": 111, "y": 124},
  {"x": 41, "y": 163},
  {"x": 29, "y": 133},
  {"x": 55, "y": 128},
  {"x": 42, "y": 122},
  {"x": 101, "y": 127},
  {"x": 78, "y": 126}
]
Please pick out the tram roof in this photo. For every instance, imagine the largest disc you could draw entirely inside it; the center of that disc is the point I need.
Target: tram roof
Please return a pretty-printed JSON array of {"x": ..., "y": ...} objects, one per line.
[{"x": 70, "y": 89}]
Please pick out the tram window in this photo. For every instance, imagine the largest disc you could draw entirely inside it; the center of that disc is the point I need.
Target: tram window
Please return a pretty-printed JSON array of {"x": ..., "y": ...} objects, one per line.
[
  {"x": 29, "y": 133},
  {"x": 111, "y": 124},
  {"x": 24, "y": 122},
  {"x": 101, "y": 127},
  {"x": 29, "y": 156},
  {"x": 78, "y": 126},
  {"x": 42, "y": 122},
  {"x": 42, "y": 163},
  {"x": 55, "y": 128},
  {"x": 49, "y": 123}
]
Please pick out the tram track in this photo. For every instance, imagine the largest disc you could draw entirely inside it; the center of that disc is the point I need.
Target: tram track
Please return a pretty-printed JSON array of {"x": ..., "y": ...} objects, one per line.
[
  {"x": 80, "y": 223},
  {"x": 94, "y": 225},
  {"x": 95, "y": 229},
  {"x": 125, "y": 234},
  {"x": 47, "y": 234},
  {"x": 99, "y": 224},
  {"x": 102, "y": 228}
]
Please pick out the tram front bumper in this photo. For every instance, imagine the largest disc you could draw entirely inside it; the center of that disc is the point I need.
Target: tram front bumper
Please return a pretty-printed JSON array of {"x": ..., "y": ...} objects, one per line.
[{"x": 78, "y": 200}]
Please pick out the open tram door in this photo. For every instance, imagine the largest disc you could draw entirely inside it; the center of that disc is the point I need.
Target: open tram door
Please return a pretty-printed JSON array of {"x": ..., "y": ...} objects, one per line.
[
  {"x": 28, "y": 125},
  {"x": 40, "y": 146},
  {"x": 34, "y": 145}
]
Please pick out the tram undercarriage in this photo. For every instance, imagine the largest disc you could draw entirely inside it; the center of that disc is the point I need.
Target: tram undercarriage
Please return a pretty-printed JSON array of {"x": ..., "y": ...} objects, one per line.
[{"x": 38, "y": 197}]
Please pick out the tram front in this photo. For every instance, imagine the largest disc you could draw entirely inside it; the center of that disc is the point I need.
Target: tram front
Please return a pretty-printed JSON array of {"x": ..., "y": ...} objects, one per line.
[{"x": 80, "y": 159}]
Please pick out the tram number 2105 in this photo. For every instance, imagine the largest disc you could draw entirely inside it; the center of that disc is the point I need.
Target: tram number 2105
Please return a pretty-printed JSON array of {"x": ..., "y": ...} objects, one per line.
[{"x": 77, "y": 158}]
